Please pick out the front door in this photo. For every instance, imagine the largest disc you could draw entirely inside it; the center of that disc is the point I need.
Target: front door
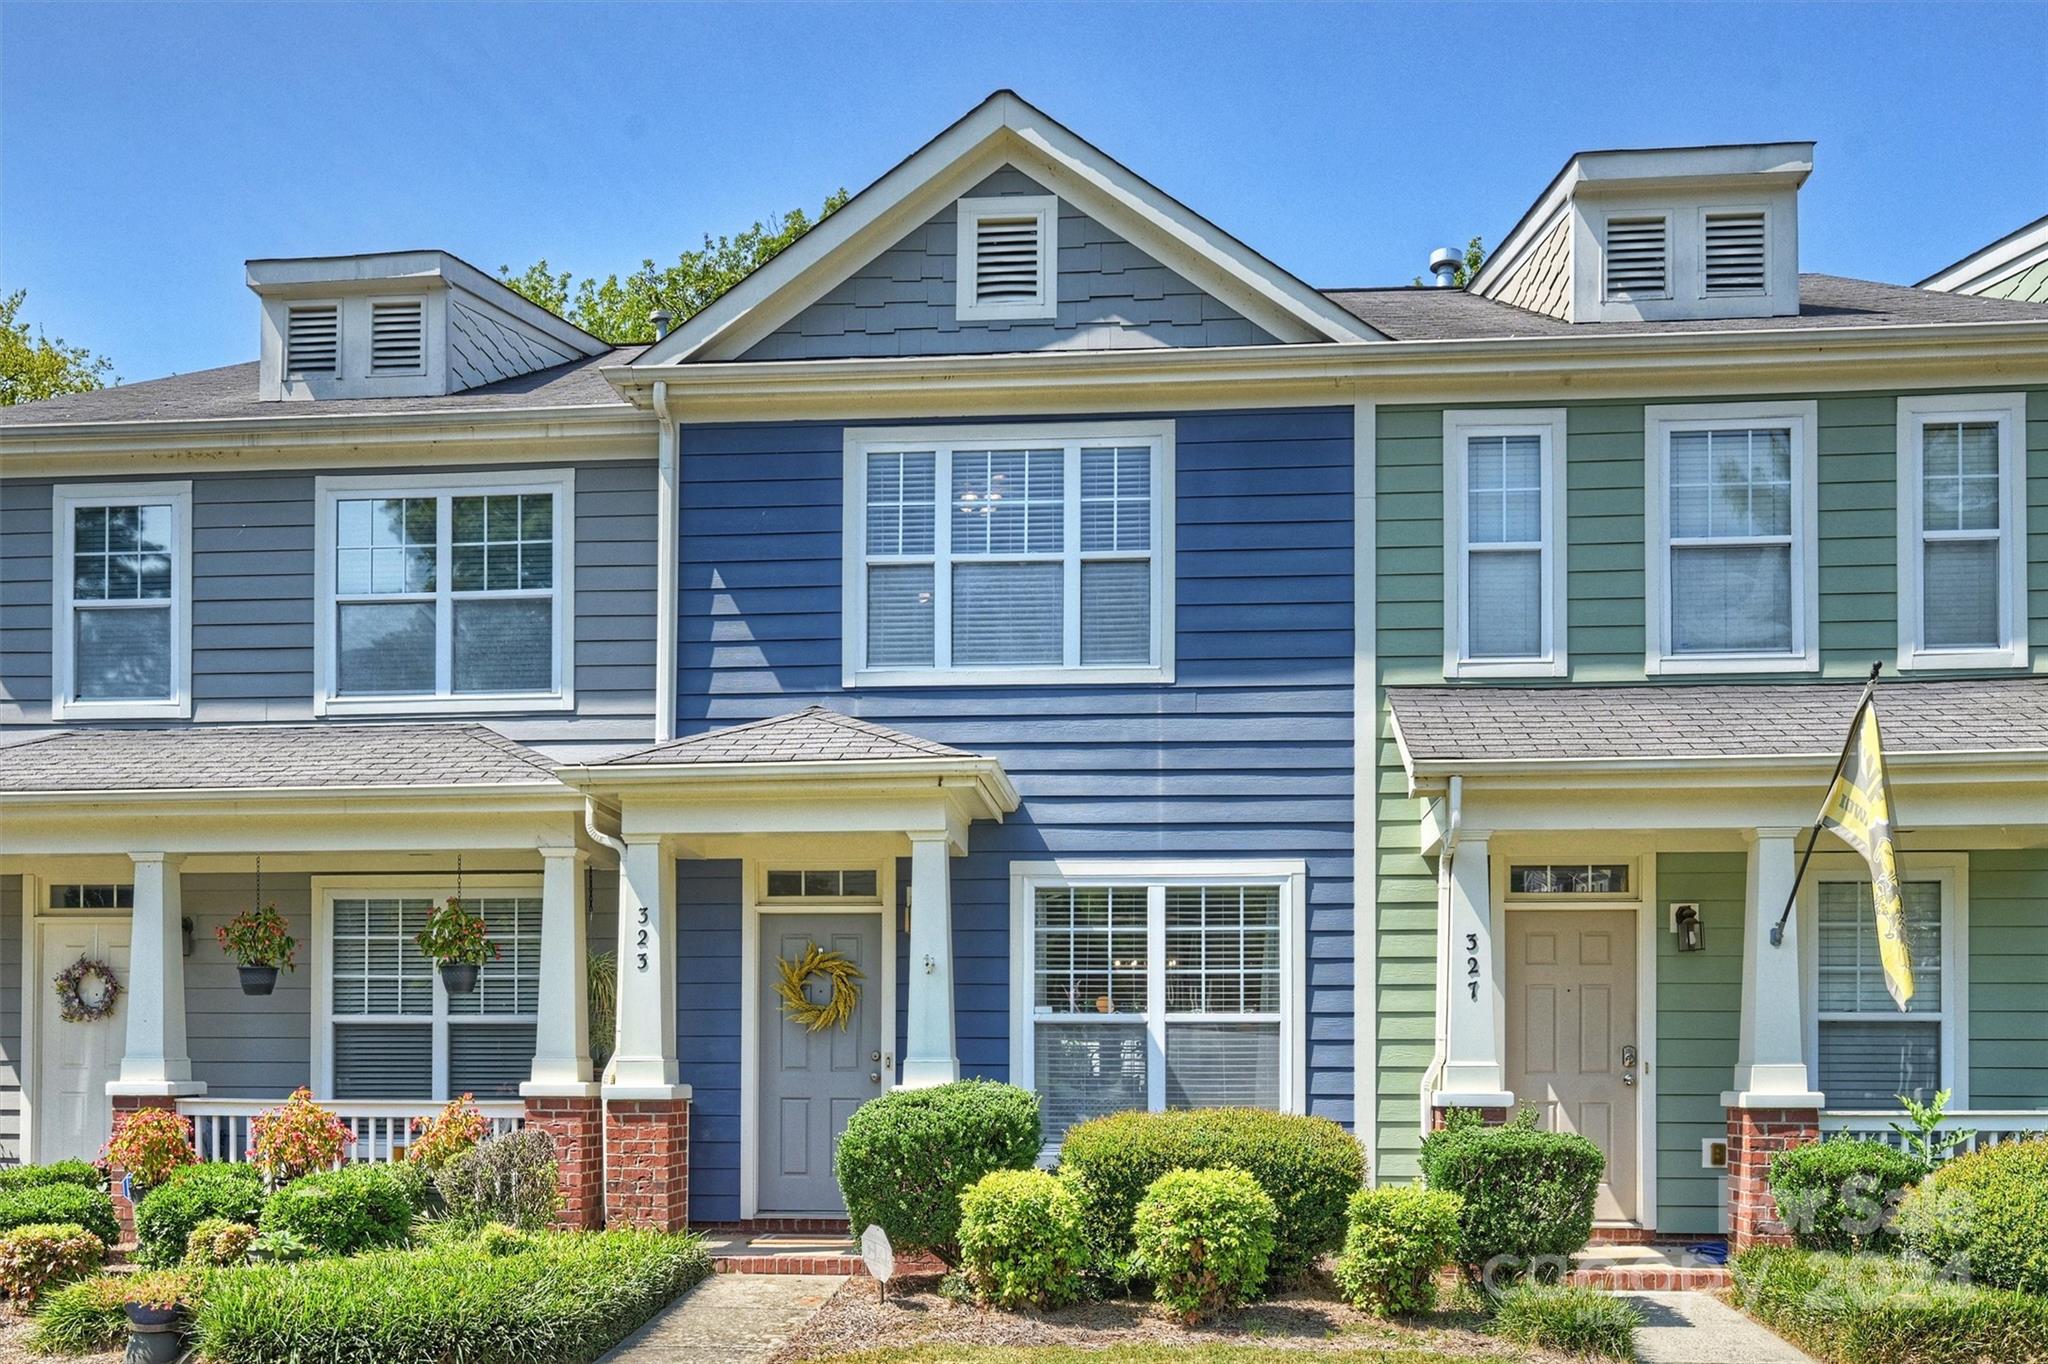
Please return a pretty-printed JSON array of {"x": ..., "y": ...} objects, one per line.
[
  {"x": 74, "y": 1061},
  {"x": 1571, "y": 1034},
  {"x": 812, "y": 1081}
]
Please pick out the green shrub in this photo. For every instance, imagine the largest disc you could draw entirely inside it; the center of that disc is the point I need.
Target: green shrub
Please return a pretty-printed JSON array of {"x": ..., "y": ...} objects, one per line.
[
  {"x": 1874, "y": 1309},
  {"x": 1397, "y": 1241},
  {"x": 905, "y": 1158},
  {"x": 79, "y": 1172},
  {"x": 1205, "y": 1239},
  {"x": 416, "y": 1181},
  {"x": 511, "y": 1179},
  {"x": 495, "y": 1238},
  {"x": 1840, "y": 1194},
  {"x": 39, "y": 1256},
  {"x": 1528, "y": 1196},
  {"x": 1309, "y": 1167},
  {"x": 342, "y": 1212},
  {"x": 216, "y": 1242},
  {"x": 60, "y": 1202},
  {"x": 1020, "y": 1239},
  {"x": 1987, "y": 1213},
  {"x": 82, "y": 1319},
  {"x": 1577, "y": 1320},
  {"x": 165, "y": 1217},
  {"x": 569, "y": 1298}
]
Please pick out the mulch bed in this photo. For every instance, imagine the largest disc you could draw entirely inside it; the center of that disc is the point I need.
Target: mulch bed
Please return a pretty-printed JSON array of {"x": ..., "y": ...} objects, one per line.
[{"x": 14, "y": 1332}]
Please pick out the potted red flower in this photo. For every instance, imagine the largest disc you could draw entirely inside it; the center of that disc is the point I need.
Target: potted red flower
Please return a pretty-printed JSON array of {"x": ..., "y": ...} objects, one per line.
[
  {"x": 258, "y": 941},
  {"x": 456, "y": 938}
]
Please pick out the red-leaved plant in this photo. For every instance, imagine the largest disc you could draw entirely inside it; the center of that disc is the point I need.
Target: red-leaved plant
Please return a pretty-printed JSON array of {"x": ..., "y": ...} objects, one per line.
[
  {"x": 258, "y": 937},
  {"x": 448, "y": 1133},
  {"x": 456, "y": 936},
  {"x": 297, "y": 1138},
  {"x": 149, "y": 1143}
]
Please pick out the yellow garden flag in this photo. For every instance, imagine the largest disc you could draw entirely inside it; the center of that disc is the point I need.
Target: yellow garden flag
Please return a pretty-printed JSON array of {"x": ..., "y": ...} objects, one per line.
[{"x": 1859, "y": 809}]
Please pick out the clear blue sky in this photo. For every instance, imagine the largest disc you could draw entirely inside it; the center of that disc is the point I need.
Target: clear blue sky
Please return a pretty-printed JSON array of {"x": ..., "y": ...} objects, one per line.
[{"x": 146, "y": 152}]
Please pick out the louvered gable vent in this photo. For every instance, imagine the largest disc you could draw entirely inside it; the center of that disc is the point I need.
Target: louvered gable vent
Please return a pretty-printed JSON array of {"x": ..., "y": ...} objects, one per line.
[
  {"x": 313, "y": 340},
  {"x": 1734, "y": 253},
  {"x": 1638, "y": 257},
  {"x": 398, "y": 337},
  {"x": 1006, "y": 264},
  {"x": 1008, "y": 249}
]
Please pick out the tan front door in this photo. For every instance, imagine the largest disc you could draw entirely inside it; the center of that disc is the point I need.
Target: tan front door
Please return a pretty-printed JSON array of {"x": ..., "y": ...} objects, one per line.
[{"x": 1571, "y": 1011}]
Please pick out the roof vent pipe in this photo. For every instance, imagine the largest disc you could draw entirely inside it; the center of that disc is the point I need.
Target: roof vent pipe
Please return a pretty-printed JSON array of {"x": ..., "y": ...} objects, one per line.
[
  {"x": 661, "y": 318},
  {"x": 1444, "y": 263}
]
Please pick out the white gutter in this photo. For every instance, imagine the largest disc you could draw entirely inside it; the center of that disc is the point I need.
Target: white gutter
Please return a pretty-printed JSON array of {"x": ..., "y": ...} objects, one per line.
[
  {"x": 668, "y": 567},
  {"x": 598, "y": 835},
  {"x": 1434, "y": 1072}
]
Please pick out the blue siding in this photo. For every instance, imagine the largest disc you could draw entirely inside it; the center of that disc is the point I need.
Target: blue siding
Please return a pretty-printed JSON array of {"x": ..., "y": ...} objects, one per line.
[
  {"x": 708, "y": 1030},
  {"x": 1248, "y": 755}
]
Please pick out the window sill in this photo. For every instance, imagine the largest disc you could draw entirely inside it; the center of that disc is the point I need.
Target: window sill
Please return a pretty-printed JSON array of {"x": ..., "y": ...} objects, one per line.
[
  {"x": 121, "y": 710},
  {"x": 1469, "y": 668},
  {"x": 1007, "y": 677},
  {"x": 1930, "y": 660},
  {"x": 442, "y": 705},
  {"x": 1681, "y": 665}
]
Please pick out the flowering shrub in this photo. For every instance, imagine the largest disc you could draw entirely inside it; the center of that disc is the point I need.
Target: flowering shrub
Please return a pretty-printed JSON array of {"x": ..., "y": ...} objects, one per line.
[
  {"x": 258, "y": 938},
  {"x": 297, "y": 1138},
  {"x": 43, "y": 1255},
  {"x": 448, "y": 1134},
  {"x": 454, "y": 935},
  {"x": 149, "y": 1143}
]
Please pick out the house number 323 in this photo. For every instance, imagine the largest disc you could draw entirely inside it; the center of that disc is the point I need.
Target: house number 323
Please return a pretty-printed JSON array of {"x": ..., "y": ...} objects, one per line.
[
  {"x": 1471, "y": 963},
  {"x": 642, "y": 942}
]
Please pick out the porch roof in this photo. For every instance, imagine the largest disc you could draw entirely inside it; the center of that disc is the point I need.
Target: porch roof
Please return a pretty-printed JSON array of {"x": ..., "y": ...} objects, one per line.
[
  {"x": 1444, "y": 730},
  {"x": 813, "y": 734}
]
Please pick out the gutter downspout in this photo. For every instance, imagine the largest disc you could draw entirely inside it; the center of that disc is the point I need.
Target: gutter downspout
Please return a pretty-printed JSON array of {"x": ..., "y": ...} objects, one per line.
[
  {"x": 668, "y": 567},
  {"x": 1434, "y": 1073}
]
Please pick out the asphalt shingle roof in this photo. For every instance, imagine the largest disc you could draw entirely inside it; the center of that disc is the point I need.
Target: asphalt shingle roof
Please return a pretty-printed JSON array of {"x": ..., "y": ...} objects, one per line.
[
  {"x": 813, "y": 734},
  {"x": 268, "y": 757},
  {"x": 1492, "y": 724}
]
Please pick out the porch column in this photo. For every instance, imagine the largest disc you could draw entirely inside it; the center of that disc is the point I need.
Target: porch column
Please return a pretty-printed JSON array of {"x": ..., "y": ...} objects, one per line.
[
  {"x": 1473, "y": 1074},
  {"x": 156, "y": 1062},
  {"x": 647, "y": 1113},
  {"x": 560, "y": 1098},
  {"x": 931, "y": 1057}
]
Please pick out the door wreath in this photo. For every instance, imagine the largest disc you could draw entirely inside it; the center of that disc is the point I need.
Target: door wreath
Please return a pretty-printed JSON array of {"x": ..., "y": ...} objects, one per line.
[
  {"x": 70, "y": 990},
  {"x": 835, "y": 1012}
]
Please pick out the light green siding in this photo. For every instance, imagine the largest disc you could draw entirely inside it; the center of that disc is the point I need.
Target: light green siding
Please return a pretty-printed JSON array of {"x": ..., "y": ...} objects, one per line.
[
  {"x": 2008, "y": 978},
  {"x": 2025, "y": 286},
  {"x": 1699, "y": 997}
]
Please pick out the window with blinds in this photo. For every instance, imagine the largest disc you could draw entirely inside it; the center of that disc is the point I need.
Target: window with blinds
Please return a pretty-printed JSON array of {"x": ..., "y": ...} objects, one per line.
[
  {"x": 125, "y": 600},
  {"x": 1638, "y": 257},
  {"x": 1009, "y": 559},
  {"x": 1961, "y": 536},
  {"x": 1007, "y": 254},
  {"x": 1870, "y": 1052},
  {"x": 1504, "y": 546},
  {"x": 1733, "y": 564}
]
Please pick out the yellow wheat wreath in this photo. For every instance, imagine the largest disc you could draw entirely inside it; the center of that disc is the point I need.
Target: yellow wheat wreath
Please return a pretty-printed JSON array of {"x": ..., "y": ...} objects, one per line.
[{"x": 835, "y": 1012}]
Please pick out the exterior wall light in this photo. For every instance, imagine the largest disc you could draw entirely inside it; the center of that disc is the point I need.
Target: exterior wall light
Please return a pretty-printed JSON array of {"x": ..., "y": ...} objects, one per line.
[{"x": 1685, "y": 922}]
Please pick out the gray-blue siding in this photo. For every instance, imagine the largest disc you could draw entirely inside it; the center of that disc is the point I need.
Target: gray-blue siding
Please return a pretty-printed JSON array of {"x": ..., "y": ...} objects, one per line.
[{"x": 1246, "y": 755}]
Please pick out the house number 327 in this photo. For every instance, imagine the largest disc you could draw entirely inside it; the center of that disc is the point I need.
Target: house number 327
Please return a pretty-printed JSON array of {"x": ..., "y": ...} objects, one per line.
[
  {"x": 1471, "y": 963},
  {"x": 642, "y": 943}
]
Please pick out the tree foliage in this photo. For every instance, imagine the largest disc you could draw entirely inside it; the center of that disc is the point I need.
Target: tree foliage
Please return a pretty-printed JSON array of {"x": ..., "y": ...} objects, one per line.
[
  {"x": 616, "y": 309},
  {"x": 34, "y": 367}
]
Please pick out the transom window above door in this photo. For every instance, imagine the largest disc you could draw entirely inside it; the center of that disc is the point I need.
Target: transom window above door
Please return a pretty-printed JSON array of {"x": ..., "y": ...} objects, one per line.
[
  {"x": 862, "y": 884},
  {"x": 444, "y": 594},
  {"x": 1012, "y": 555}
]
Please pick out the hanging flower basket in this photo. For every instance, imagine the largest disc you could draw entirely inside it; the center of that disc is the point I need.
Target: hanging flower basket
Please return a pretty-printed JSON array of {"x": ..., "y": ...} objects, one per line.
[
  {"x": 257, "y": 980},
  {"x": 459, "y": 977},
  {"x": 457, "y": 939},
  {"x": 258, "y": 941},
  {"x": 79, "y": 1003}
]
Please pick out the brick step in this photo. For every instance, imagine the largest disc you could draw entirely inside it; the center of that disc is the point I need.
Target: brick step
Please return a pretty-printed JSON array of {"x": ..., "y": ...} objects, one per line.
[
  {"x": 1651, "y": 1278},
  {"x": 849, "y": 1265}
]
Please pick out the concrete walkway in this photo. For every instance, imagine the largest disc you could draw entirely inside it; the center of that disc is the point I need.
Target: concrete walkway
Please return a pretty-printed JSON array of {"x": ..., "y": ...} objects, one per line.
[
  {"x": 1696, "y": 1328},
  {"x": 727, "y": 1319}
]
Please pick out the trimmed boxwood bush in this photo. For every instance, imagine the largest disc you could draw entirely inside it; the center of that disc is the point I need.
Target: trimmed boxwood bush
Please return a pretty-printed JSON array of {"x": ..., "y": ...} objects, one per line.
[
  {"x": 1989, "y": 1211},
  {"x": 342, "y": 1212},
  {"x": 165, "y": 1217},
  {"x": 1875, "y": 1309},
  {"x": 216, "y": 1242},
  {"x": 1840, "y": 1195},
  {"x": 1205, "y": 1238},
  {"x": 1309, "y": 1167},
  {"x": 78, "y": 1172},
  {"x": 1397, "y": 1240},
  {"x": 60, "y": 1202},
  {"x": 1576, "y": 1321},
  {"x": 1528, "y": 1195},
  {"x": 905, "y": 1158},
  {"x": 1020, "y": 1239},
  {"x": 568, "y": 1297}
]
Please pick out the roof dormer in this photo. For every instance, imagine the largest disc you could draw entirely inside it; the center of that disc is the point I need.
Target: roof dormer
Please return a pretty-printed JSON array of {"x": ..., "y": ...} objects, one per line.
[
  {"x": 1660, "y": 235},
  {"x": 399, "y": 324}
]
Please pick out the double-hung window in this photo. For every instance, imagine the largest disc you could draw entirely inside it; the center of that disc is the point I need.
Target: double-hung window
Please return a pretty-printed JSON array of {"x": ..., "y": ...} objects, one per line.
[
  {"x": 1867, "y": 1051},
  {"x": 1731, "y": 539},
  {"x": 1009, "y": 555},
  {"x": 1504, "y": 544},
  {"x": 1962, "y": 532},
  {"x": 1155, "y": 988},
  {"x": 445, "y": 593},
  {"x": 122, "y": 610}
]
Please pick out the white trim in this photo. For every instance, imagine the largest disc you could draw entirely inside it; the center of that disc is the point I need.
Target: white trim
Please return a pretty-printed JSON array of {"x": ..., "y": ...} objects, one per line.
[
  {"x": 446, "y": 486},
  {"x": 941, "y": 441},
  {"x": 1044, "y": 209},
  {"x": 63, "y": 498},
  {"x": 1802, "y": 419},
  {"x": 1994, "y": 264},
  {"x": 2009, "y": 411},
  {"x": 1548, "y": 426},
  {"x": 1951, "y": 870},
  {"x": 1365, "y": 719}
]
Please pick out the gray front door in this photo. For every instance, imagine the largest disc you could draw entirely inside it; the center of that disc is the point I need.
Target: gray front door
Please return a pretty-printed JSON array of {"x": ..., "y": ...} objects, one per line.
[{"x": 812, "y": 1081}]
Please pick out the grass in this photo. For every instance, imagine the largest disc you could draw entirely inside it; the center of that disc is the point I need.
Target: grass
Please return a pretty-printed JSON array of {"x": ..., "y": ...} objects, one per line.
[
  {"x": 1577, "y": 1321},
  {"x": 1871, "y": 1309},
  {"x": 1134, "y": 1354}
]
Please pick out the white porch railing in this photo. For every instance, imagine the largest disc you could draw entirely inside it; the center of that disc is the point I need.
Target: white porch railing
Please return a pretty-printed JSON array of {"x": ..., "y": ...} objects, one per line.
[
  {"x": 1988, "y": 1126},
  {"x": 383, "y": 1129}
]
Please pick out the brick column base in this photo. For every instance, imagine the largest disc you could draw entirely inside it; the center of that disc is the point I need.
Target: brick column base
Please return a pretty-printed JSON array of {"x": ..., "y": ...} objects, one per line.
[
  {"x": 1754, "y": 1136},
  {"x": 647, "y": 1142},
  {"x": 577, "y": 1125},
  {"x": 1492, "y": 1117},
  {"x": 131, "y": 1103}
]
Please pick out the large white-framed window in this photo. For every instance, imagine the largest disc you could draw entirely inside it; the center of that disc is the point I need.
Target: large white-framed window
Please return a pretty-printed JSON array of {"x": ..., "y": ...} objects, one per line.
[
  {"x": 1007, "y": 261},
  {"x": 1963, "y": 531},
  {"x": 384, "y": 1027},
  {"x": 445, "y": 592},
  {"x": 121, "y": 643},
  {"x": 1731, "y": 536},
  {"x": 1504, "y": 537},
  {"x": 1865, "y": 1051},
  {"x": 1156, "y": 985},
  {"x": 1008, "y": 555}
]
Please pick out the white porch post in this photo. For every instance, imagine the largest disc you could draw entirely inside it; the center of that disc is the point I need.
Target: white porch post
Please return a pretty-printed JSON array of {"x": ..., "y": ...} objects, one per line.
[
  {"x": 1770, "y": 1064},
  {"x": 156, "y": 1062},
  {"x": 930, "y": 1058},
  {"x": 644, "y": 1064},
  {"x": 561, "y": 1052},
  {"x": 1473, "y": 1074}
]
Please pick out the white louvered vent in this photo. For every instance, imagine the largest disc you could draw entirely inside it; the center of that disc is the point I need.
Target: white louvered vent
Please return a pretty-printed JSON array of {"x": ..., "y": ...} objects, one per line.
[
  {"x": 1007, "y": 268},
  {"x": 1734, "y": 254},
  {"x": 398, "y": 338},
  {"x": 1008, "y": 247},
  {"x": 1638, "y": 257},
  {"x": 313, "y": 339}
]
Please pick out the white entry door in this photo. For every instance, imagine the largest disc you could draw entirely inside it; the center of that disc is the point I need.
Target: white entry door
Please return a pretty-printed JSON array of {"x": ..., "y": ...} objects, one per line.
[{"x": 74, "y": 1061}]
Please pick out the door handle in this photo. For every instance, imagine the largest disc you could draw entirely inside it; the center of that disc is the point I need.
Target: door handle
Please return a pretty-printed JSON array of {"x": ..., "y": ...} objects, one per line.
[
  {"x": 1629, "y": 1056},
  {"x": 874, "y": 1077}
]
